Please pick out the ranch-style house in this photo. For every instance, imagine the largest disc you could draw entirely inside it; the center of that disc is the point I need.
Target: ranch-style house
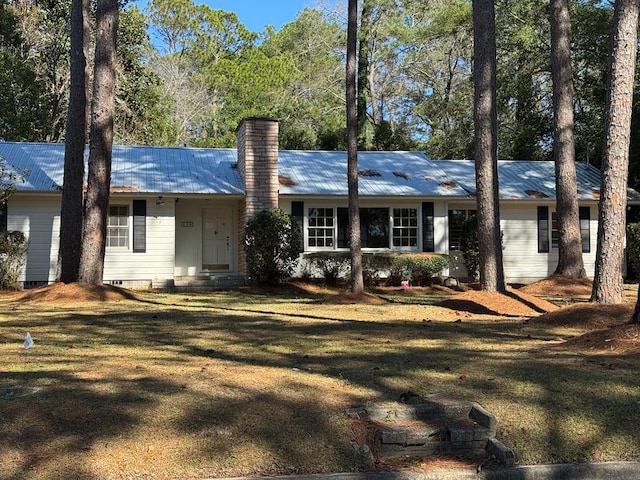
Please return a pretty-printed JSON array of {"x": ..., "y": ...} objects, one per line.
[{"x": 176, "y": 214}]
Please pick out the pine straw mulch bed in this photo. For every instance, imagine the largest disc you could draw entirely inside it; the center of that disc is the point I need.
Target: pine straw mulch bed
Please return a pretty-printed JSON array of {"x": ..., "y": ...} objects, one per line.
[
  {"x": 71, "y": 293},
  {"x": 605, "y": 328}
]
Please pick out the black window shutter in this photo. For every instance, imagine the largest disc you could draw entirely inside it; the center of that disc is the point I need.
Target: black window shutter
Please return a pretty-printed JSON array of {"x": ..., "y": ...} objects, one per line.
[
  {"x": 297, "y": 213},
  {"x": 428, "y": 229},
  {"x": 585, "y": 228},
  {"x": 140, "y": 226},
  {"x": 543, "y": 229},
  {"x": 3, "y": 217}
]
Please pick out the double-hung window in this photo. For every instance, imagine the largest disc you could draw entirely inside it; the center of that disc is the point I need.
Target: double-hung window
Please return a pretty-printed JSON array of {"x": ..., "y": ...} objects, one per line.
[
  {"x": 405, "y": 227},
  {"x": 118, "y": 226},
  {"x": 548, "y": 229},
  {"x": 321, "y": 227}
]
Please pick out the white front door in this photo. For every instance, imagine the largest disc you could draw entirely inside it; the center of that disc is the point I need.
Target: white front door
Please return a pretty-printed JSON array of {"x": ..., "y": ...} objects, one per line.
[{"x": 216, "y": 239}]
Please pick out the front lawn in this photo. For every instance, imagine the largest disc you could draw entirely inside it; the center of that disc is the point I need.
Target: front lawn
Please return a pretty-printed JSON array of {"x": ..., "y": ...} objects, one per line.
[{"x": 257, "y": 383}]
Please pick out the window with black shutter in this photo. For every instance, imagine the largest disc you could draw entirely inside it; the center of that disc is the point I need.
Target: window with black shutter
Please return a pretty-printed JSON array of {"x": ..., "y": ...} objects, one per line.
[
  {"x": 428, "y": 228},
  {"x": 585, "y": 228},
  {"x": 543, "y": 229},
  {"x": 297, "y": 214}
]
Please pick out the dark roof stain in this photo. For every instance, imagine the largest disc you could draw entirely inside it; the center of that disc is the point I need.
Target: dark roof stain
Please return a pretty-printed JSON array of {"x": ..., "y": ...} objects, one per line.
[
  {"x": 286, "y": 181},
  {"x": 401, "y": 175},
  {"x": 536, "y": 194}
]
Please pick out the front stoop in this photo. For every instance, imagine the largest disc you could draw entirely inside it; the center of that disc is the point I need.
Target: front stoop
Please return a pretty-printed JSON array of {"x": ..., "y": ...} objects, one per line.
[
  {"x": 208, "y": 282},
  {"x": 438, "y": 425}
]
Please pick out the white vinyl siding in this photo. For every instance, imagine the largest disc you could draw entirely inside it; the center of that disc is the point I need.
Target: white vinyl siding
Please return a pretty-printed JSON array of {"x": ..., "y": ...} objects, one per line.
[
  {"x": 522, "y": 261},
  {"x": 38, "y": 217},
  {"x": 157, "y": 262}
]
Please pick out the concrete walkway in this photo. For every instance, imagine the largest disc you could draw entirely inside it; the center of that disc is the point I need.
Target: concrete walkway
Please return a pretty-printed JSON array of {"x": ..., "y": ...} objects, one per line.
[{"x": 566, "y": 471}]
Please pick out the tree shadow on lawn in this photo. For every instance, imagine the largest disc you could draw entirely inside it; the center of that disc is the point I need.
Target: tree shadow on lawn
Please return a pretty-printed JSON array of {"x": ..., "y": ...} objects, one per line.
[
  {"x": 51, "y": 419},
  {"x": 585, "y": 409},
  {"x": 294, "y": 422}
]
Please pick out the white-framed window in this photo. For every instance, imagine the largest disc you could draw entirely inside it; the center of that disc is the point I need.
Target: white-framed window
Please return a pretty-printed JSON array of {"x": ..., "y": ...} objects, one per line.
[
  {"x": 118, "y": 227},
  {"x": 328, "y": 228},
  {"x": 405, "y": 227},
  {"x": 321, "y": 227},
  {"x": 548, "y": 229}
]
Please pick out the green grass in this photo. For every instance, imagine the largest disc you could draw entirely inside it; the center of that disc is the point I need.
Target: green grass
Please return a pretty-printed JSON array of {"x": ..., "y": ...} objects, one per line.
[{"x": 231, "y": 384}]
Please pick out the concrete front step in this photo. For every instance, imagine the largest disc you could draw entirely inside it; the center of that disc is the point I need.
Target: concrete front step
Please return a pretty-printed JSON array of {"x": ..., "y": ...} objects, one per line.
[
  {"x": 208, "y": 282},
  {"x": 437, "y": 424}
]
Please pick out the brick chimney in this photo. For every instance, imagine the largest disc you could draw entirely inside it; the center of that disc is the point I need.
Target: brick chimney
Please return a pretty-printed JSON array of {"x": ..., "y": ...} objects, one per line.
[
  {"x": 258, "y": 163},
  {"x": 257, "y": 146}
]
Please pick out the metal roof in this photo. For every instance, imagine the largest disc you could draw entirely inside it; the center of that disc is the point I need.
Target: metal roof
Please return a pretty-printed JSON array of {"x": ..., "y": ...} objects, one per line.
[
  {"x": 527, "y": 180},
  {"x": 380, "y": 174},
  {"x": 134, "y": 169},
  {"x": 185, "y": 170}
]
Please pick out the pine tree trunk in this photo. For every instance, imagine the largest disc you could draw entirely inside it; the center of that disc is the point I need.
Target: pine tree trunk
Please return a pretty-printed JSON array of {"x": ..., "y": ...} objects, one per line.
[
  {"x": 101, "y": 144},
  {"x": 608, "y": 285},
  {"x": 486, "y": 146},
  {"x": 357, "y": 284},
  {"x": 362, "y": 77},
  {"x": 75, "y": 141},
  {"x": 570, "y": 261}
]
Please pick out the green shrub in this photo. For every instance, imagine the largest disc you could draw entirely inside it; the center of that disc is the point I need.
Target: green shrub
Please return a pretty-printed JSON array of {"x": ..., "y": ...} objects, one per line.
[
  {"x": 333, "y": 266},
  {"x": 470, "y": 248},
  {"x": 13, "y": 248},
  {"x": 419, "y": 269},
  {"x": 399, "y": 270},
  {"x": 336, "y": 266},
  {"x": 633, "y": 248},
  {"x": 272, "y": 241},
  {"x": 373, "y": 265}
]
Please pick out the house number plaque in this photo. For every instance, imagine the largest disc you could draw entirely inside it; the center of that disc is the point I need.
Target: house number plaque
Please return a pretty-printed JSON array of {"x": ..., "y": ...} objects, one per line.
[{"x": 186, "y": 224}]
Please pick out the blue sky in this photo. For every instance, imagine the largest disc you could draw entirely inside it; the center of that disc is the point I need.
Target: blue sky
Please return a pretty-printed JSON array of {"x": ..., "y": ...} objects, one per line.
[{"x": 256, "y": 14}]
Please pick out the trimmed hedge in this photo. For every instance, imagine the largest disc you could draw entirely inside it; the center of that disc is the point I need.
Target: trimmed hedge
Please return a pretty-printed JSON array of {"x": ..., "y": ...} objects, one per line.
[
  {"x": 418, "y": 268},
  {"x": 333, "y": 266}
]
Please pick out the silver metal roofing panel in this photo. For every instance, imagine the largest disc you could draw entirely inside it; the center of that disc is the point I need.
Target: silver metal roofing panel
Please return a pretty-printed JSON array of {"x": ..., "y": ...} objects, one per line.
[
  {"x": 41, "y": 165},
  {"x": 135, "y": 169},
  {"x": 527, "y": 180},
  {"x": 381, "y": 174}
]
